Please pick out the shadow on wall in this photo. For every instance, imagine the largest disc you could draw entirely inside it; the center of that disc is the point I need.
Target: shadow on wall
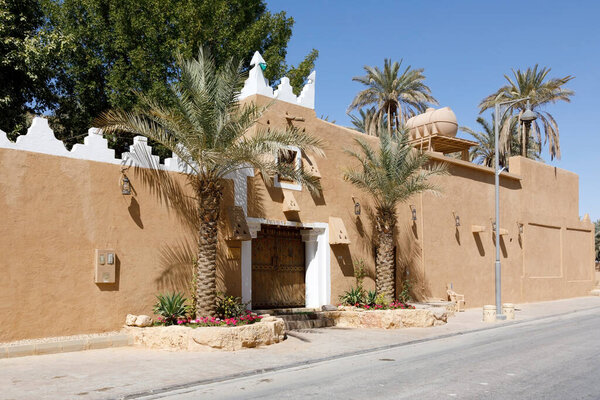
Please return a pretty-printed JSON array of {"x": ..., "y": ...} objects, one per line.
[
  {"x": 408, "y": 262},
  {"x": 177, "y": 267}
]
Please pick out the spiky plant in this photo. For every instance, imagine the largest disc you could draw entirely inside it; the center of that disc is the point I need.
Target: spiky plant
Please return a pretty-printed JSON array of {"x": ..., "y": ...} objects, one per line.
[
  {"x": 171, "y": 307},
  {"x": 484, "y": 152},
  {"x": 206, "y": 127},
  {"x": 390, "y": 174},
  {"x": 542, "y": 91},
  {"x": 395, "y": 94}
]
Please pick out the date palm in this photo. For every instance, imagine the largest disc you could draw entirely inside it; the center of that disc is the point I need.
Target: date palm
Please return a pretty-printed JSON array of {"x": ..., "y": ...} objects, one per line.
[
  {"x": 365, "y": 121},
  {"x": 214, "y": 136},
  {"x": 395, "y": 94},
  {"x": 535, "y": 84},
  {"x": 390, "y": 174},
  {"x": 484, "y": 152}
]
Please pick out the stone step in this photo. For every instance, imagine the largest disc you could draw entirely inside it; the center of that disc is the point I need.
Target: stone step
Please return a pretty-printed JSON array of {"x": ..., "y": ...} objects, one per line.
[
  {"x": 595, "y": 292},
  {"x": 298, "y": 317},
  {"x": 308, "y": 324},
  {"x": 279, "y": 311}
]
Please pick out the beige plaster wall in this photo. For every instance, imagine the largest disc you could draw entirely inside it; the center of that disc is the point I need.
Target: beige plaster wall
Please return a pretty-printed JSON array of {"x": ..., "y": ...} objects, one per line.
[{"x": 55, "y": 211}]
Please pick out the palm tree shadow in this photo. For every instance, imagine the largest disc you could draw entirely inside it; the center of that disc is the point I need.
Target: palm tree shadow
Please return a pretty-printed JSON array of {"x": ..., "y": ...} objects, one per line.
[{"x": 177, "y": 267}]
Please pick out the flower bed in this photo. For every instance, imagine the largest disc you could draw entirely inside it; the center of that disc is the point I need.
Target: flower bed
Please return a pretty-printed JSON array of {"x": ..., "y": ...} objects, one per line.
[
  {"x": 202, "y": 322},
  {"x": 364, "y": 316},
  {"x": 394, "y": 305},
  {"x": 219, "y": 335}
]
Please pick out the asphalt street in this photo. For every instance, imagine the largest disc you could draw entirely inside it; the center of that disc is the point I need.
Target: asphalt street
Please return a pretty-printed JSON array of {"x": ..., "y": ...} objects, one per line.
[{"x": 555, "y": 358}]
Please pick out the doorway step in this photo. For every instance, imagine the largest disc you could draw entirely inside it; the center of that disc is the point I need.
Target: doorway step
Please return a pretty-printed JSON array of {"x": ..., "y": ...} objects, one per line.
[{"x": 299, "y": 318}]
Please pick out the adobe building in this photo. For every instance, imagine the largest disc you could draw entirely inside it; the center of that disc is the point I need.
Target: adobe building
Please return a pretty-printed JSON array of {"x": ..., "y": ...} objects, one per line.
[{"x": 77, "y": 255}]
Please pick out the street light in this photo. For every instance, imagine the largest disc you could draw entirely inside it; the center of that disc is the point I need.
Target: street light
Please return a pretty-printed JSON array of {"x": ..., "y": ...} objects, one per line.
[{"x": 527, "y": 116}]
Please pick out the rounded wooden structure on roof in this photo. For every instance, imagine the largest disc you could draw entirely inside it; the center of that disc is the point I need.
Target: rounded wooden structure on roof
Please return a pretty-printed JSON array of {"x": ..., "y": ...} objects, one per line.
[{"x": 433, "y": 122}]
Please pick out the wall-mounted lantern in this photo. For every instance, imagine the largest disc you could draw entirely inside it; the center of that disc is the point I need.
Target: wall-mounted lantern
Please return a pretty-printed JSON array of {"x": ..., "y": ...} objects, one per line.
[
  {"x": 414, "y": 212},
  {"x": 457, "y": 220},
  {"x": 494, "y": 226},
  {"x": 125, "y": 186},
  {"x": 520, "y": 225},
  {"x": 356, "y": 206}
]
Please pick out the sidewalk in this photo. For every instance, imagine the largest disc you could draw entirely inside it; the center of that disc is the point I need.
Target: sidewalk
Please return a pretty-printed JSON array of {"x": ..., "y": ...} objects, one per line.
[{"x": 127, "y": 371}]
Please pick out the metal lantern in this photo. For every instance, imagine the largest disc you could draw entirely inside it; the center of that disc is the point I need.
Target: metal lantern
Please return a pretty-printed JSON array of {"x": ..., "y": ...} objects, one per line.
[
  {"x": 457, "y": 220},
  {"x": 125, "y": 186},
  {"x": 357, "y": 208},
  {"x": 414, "y": 213}
]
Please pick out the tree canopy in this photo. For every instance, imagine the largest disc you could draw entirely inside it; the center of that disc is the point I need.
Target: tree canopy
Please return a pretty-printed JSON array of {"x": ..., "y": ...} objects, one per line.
[{"x": 111, "y": 49}]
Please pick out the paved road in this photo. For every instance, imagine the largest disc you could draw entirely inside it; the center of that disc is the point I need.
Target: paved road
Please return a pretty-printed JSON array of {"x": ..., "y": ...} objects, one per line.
[{"x": 556, "y": 358}]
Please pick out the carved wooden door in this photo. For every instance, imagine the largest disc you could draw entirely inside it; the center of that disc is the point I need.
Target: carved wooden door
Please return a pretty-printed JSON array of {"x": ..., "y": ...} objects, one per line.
[{"x": 278, "y": 268}]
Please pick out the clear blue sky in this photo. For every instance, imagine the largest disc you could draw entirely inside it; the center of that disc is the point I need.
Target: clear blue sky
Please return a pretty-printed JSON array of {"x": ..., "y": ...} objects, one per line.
[{"x": 465, "y": 48}]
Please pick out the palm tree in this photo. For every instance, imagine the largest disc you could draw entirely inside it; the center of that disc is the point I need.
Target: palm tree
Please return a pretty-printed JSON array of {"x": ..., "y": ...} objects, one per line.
[
  {"x": 395, "y": 95},
  {"x": 533, "y": 84},
  {"x": 205, "y": 126},
  {"x": 484, "y": 152},
  {"x": 390, "y": 175},
  {"x": 365, "y": 121}
]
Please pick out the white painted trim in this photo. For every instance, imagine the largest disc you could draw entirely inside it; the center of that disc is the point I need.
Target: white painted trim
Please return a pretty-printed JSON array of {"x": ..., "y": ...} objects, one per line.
[{"x": 298, "y": 162}]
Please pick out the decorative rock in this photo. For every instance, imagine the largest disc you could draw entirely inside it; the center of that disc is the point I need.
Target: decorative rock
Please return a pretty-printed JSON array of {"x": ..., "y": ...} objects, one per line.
[
  {"x": 143, "y": 320},
  {"x": 388, "y": 319},
  {"x": 268, "y": 331},
  {"x": 329, "y": 307},
  {"x": 130, "y": 319}
]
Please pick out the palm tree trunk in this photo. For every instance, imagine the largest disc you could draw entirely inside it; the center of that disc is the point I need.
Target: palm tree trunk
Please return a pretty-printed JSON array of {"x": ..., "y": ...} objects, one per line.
[
  {"x": 385, "y": 263},
  {"x": 209, "y": 194},
  {"x": 389, "y": 117}
]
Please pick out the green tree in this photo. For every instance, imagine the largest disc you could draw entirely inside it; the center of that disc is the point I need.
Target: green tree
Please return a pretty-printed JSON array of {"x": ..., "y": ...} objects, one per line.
[
  {"x": 205, "y": 126},
  {"x": 390, "y": 175},
  {"x": 396, "y": 95},
  {"x": 484, "y": 152},
  {"x": 114, "y": 48},
  {"x": 542, "y": 90},
  {"x": 23, "y": 72}
]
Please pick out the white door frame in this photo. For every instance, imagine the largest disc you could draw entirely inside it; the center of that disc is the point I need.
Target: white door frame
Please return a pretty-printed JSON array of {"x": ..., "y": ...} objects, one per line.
[{"x": 317, "y": 260}]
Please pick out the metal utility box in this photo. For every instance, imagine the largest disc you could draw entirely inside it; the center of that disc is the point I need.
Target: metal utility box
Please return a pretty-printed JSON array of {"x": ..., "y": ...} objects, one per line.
[{"x": 105, "y": 262}]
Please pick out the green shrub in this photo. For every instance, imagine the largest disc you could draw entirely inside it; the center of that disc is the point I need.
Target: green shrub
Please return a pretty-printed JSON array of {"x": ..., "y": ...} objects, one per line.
[
  {"x": 230, "y": 306},
  {"x": 405, "y": 295},
  {"x": 359, "y": 272},
  {"x": 382, "y": 300},
  {"x": 353, "y": 296},
  {"x": 171, "y": 307},
  {"x": 371, "y": 298}
]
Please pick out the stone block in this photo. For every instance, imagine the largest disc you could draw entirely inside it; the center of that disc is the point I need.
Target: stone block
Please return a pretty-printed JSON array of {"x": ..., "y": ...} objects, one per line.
[
  {"x": 3, "y": 352},
  {"x": 101, "y": 342},
  {"x": 120, "y": 340},
  {"x": 48, "y": 348},
  {"x": 74, "y": 345},
  {"x": 21, "y": 350}
]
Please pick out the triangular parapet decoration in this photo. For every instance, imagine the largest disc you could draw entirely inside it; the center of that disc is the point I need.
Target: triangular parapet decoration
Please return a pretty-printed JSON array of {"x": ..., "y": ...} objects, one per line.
[
  {"x": 258, "y": 84},
  {"x": 40, "y": 139},
  {"x": 307, "y": 95},
  {"x": 94, "y": 148},
  {"x": 285, "y": 92},
  {"x": 140, "y": 154},
  {"x": 4, "y": 142}
]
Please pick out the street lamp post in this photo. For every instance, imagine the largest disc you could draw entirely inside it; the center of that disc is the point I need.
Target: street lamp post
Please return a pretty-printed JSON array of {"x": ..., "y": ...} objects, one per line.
[{"x": 529, "y": 116}]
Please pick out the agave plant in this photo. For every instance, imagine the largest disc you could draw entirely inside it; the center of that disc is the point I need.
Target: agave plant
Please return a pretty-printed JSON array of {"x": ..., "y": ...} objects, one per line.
[
  {"x": 353, "y": 296},
  {"x": 171, "y": 307}
]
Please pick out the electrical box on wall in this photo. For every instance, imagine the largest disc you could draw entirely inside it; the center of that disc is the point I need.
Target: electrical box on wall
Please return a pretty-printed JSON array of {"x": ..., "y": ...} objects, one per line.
[{"x": 106, "y": 261}]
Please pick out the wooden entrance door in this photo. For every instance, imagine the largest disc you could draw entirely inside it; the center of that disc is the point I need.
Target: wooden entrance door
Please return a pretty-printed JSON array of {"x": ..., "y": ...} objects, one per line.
[{"x": 278, "y": 268}]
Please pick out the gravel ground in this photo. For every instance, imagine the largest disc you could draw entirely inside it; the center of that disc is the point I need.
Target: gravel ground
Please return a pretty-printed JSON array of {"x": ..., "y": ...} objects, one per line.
[{"x": 57, "y": 339}]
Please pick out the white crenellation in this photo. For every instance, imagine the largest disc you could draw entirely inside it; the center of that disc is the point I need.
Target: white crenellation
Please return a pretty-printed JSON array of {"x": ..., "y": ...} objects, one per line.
[
  {"x": 40, "y": 139},
  {"x": 4, "y": 142},
  {"x": 258, "y": 84},
  {"x": 94, "y": 148}
]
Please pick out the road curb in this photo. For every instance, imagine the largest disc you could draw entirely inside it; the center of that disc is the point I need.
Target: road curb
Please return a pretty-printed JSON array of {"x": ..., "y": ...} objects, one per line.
[
  {"x": 260, "y": 371},
  {"x": 65, "y": 346}
]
